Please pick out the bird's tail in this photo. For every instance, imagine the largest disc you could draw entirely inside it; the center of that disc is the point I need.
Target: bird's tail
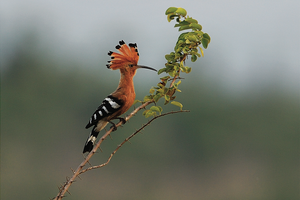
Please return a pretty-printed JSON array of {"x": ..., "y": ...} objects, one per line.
[{"x": 89, "y": 144}]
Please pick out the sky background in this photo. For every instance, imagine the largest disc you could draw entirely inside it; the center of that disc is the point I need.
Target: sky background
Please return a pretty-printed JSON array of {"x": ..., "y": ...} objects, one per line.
[{"x": 254, "y": 43}]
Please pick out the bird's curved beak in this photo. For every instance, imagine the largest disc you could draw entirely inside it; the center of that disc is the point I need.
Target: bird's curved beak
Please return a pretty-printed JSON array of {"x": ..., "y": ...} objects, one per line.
[{"x": 146, "y": 67}]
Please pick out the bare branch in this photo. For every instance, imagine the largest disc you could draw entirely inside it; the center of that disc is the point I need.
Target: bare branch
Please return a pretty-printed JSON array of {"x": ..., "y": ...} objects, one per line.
[
  {"x": 66, "y": 186},
  {"x": 128, "y": 138}
]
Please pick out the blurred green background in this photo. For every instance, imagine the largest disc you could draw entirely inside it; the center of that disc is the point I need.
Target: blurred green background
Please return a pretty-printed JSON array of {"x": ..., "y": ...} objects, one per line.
[{"x": 240, "y": 140}]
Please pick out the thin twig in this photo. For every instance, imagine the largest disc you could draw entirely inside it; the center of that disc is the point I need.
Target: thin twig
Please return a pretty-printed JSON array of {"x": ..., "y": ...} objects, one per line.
[
  {"x": 80, "y": 170},
  {"x": 66, "y": 186},
  {"x": 128, "y": 138}
]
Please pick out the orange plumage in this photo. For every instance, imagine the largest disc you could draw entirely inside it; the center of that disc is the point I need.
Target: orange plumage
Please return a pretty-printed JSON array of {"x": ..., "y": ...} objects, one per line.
[
  {"x": 123, "y": 97},
  {"x": 127, "y": 55}
]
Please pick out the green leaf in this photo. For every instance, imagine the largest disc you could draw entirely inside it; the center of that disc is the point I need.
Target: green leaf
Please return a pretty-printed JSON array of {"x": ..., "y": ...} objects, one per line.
[
  {"x": 178, "y": 55},
  {"x": 167, "y": 97},
  {"x": 163, "y": 79},
  {"x": 135, "y": 101},
  {"x": 191, "y": 20},
  {"x": 160, "y": 85},
  {"x": 205, "y": 35},
  {"x": 192, "y": 37},
  {"x": 148, "y": 98},
  {"x": 182, "y": 37},
  {"x": 197, "y": 26},
  {"x": 170, "y": 57},
  {"x": 194, "y": 50},
  {"x": 169, "y": 69},
  {"x": 148, "y": 113},
  {"x": 188, "y": 69},
  {"x": 184, "y": 27},
  {"x": 182, "y": 68},
  {"x": 178, "y": 49},
  {"x": 198, "y": 54},
  {"x": 193, "y": 58},
  {"x": 187, "y": 41},
  {"x": 182, "y": 23},
  {"x": 145, "y": 112},
  {"x": 172, "y": 73},
  {"x": 181, "y": 11},
  {"x": 179, "y": 42},
  {"x": 170, "y": 17},
  {"x": 156, "y": 109},
  {"x": 157, "y": 97},
  {"x": 171, "y": 10},
  {"x": 205, "y": 43},
  {"x": 151, "y": 91},
  {"x": 205, "y": 40},
  {"x": 166, "y": 90},
  {"x": 161, "y": 71},
  {"x": 176, "y": 103}
]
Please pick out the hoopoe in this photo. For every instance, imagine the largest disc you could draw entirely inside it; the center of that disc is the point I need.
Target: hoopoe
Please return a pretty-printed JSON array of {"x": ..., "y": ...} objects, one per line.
[{"x": 120, "y": 100}]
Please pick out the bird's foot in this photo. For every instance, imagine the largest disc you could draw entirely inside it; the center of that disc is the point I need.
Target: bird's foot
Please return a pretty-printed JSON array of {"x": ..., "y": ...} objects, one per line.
[
  {"x": 122, "y": 119},
  {"x": 113, "y": 126}
]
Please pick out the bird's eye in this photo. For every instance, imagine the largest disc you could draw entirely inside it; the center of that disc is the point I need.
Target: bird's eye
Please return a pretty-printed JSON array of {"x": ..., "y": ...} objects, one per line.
[{"x": 131, "y": 65}]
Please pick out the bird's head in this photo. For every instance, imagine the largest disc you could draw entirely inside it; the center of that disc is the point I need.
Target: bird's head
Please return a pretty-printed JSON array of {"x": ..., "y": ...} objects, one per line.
[{"x": 127, "y": 60}]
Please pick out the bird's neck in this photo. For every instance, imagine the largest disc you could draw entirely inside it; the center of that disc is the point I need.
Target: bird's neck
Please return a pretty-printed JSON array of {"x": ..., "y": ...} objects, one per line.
[{"x": 126, "y": 85}]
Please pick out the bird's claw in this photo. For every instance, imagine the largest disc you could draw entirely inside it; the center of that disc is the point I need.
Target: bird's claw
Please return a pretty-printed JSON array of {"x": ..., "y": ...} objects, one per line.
[
  {"x": 114, "y": 127},
  {"x": 122, "y": 119}
]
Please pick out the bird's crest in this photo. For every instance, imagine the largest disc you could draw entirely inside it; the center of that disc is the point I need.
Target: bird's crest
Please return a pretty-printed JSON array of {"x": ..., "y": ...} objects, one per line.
[{"x": 127, "y": 55}]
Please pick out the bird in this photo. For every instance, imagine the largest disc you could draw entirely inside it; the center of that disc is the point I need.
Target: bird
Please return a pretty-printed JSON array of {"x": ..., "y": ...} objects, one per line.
[{"x": 118, "y": 102}]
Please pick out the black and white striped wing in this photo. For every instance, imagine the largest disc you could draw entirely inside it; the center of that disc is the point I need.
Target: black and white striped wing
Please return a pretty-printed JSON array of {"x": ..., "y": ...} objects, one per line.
[{"x": 109, "y": 105}]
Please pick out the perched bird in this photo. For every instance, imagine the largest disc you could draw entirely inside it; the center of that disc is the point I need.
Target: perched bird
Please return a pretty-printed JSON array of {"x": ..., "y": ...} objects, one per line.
[{"x": 120, "y": 100}]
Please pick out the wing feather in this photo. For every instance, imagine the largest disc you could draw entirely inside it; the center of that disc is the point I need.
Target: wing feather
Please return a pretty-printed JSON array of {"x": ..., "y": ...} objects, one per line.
[{"x": 109, "y": 106}]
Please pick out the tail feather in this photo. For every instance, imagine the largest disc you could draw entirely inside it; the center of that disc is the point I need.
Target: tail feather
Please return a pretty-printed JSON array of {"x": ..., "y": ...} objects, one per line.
[{"x": 89, "y": 144}]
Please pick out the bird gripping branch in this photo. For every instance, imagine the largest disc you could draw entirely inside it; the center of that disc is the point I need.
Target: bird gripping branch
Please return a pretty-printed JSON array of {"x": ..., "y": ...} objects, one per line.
[{"x": 118, "y": 102}]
